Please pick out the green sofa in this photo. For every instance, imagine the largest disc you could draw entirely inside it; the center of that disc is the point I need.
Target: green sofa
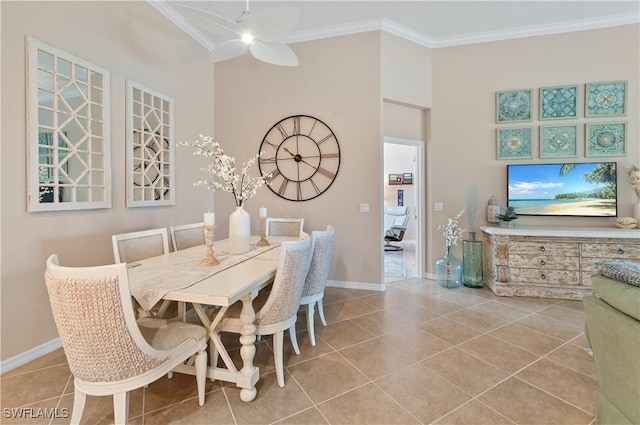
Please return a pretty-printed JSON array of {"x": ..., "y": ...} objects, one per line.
[{"x": 613, "y": 331}]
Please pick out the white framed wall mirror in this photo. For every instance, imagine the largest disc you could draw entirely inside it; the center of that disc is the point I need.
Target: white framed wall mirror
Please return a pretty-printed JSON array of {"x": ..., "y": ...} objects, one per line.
[{"x": 68, "y": 131}]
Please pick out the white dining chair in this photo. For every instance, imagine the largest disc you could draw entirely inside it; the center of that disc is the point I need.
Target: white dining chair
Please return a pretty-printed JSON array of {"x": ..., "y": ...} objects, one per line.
[
  {"x": 284, "y": 226},
  {"x": 108, "y": 351},
  {"x": 135, "y": 246},
  {"x": 187, "y": 235},
  {"x": 316, "y": 279},
  {"x": 280, "y": 306}
]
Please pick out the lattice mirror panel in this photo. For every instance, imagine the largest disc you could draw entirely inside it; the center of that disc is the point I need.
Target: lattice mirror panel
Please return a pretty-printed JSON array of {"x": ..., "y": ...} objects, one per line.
[
  {"x": 150, "y": 147},
  {"x": 68, "y": 142}
]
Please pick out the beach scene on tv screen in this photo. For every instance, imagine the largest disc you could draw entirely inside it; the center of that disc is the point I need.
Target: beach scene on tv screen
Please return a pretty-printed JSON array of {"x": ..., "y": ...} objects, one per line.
[{"x": 573, "y": 189}]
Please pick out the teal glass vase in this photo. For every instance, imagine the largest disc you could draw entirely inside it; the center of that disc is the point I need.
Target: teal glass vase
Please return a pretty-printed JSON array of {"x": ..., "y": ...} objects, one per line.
[
  {"x": 449, "y": 270},
  {"x": 472, "y": 262}
]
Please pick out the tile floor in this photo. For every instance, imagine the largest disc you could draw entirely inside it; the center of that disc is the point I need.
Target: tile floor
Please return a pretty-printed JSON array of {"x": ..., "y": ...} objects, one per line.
[{"x": 415, "y": 354}]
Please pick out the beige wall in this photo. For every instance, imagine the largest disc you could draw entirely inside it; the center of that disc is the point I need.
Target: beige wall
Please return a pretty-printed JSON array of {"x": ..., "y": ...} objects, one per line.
[
  {"x": 341, "y": 80},
  {"x": 462, "y": 150},
  {"x": 338, "y": 81},
  {"x": 131, "y": 40},
  {"x": 406, "y": 71}
]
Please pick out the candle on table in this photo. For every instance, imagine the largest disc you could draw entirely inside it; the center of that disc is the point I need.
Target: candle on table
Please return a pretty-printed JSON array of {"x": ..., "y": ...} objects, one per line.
[
  {"x": 209, "y": 218},
  {"x": 263, "y": 212}
]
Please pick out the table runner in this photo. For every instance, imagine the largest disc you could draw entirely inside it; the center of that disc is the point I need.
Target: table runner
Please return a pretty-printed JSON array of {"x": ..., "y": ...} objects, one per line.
[{"x": 151, "y": 279}]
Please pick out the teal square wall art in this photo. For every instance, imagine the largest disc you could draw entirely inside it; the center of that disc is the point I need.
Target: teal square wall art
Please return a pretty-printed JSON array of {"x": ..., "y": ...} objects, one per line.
[
  {"x": 605, "y": 139},
  {"x": 606, "y": 99},
  {"x": 557, "y": 103},
  {"x": 513, "y": 143},
  {"x": 513, "y": 106},
  {"x": 558, "y": 141}
]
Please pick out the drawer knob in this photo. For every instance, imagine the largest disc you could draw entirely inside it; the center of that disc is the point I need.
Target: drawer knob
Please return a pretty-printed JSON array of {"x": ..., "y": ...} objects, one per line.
[
  {"x": 542, "y": 249},
  {"x": 543, "y": 276},
  {"x": 620, "y": 251},
  {"x": 542, "y": 262}
]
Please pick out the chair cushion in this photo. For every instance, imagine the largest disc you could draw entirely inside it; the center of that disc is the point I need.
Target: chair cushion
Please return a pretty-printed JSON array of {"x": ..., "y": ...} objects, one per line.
[
  {"x": 625, "y": 271},
  {"x": 619, "y": 295},
  {"x": 163, "y": 334}
]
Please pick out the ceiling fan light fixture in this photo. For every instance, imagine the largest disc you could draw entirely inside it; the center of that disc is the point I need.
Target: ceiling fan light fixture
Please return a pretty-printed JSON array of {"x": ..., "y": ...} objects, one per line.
[
  {"x": 261, "y": 33},
  {"x": 247, "y": 38}
]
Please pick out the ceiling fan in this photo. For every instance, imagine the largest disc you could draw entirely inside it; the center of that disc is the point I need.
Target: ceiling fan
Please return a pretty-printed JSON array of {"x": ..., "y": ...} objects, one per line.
[{"x": 260, "y": 33}]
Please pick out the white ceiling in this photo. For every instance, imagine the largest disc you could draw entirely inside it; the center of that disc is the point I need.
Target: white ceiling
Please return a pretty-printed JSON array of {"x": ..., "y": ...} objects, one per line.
[{"x": 429, "y": 23}]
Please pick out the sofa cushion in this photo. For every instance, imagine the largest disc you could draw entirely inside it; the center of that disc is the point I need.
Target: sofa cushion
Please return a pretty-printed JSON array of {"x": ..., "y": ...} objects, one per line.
[
  {"x": 625, "y": 271},
  {"x": 619, "y": 295}
]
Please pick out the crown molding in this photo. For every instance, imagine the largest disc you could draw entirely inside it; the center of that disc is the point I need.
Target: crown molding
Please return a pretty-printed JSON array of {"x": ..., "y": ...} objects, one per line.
[
  {"x": 539, "y": 30},
  {"x": 408, "y": 33},
  {"x": 182, "y": 23}
]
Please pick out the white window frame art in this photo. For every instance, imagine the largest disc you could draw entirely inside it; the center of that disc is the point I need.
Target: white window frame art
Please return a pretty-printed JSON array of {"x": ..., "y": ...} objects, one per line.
[
  {"x": 68, "y": 131},
  {"x": 150, "y": 147}
]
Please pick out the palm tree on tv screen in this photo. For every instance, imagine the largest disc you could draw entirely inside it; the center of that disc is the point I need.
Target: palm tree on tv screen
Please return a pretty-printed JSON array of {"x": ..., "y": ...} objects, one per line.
[{"x": 604, "y": 173}]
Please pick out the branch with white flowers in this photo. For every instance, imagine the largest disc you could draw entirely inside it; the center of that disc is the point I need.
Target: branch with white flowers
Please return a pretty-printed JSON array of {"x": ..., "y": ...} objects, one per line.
[
  {"x": 452, "y": 230},
  {"x": 223, "y": 168}
]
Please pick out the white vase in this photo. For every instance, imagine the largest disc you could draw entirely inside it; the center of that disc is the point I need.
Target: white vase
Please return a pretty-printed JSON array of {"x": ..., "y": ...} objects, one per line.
[
  {"x": 239, "y": 231},
  {"x": 635, "y": 210}
]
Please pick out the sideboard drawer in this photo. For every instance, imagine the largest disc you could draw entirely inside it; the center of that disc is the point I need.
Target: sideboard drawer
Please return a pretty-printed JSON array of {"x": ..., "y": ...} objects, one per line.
[
  {"x": 611, "y": 250},
  {"x": 544, "y": 261},
  {"x": 567, "y": 249},
  {"x": 551, "y": 277}
]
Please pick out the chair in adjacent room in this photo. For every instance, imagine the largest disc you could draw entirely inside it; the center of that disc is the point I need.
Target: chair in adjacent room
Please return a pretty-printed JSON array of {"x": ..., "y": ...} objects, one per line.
[
  {"x": 134, "y": 246},
  {"x": 316, "y": 280},
  {"x": 108, "y": 351},
  {"x": 187, "y": 235},
  {"x": 284, "y": 226},
  {"x": 395, "y": 224},
  {"x": 277, "y": 310}
]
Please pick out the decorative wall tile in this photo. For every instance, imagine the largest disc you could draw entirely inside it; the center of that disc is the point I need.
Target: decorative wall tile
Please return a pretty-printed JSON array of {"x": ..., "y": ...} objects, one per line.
[
  {"x": 606, "y": 139},
  {"x": 513, "y": 143},
  {"x": 513, "y": 106},
  {"x": 558, "y": 141},
  {"x": 606, "y": 99},
  {"x": 558, "y": 102}
]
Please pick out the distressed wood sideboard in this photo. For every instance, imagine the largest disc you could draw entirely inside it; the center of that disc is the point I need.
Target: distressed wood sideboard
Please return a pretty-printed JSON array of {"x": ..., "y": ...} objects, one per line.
[{"x": 551, "y": 262}]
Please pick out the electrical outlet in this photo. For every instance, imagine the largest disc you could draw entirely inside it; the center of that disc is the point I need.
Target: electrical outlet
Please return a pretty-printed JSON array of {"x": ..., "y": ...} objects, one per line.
[
  {"x": 438, "y": 206},
  {"x": 364, "y": 208}
]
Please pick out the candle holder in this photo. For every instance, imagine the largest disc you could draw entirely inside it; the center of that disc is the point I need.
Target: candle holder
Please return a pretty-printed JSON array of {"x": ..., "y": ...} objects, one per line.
[
  {"x": 263, "y": 233},
  {"x": 209, "y": 259}
]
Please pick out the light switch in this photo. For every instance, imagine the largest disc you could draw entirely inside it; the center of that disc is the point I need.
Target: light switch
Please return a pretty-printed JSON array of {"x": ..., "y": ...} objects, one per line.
[
  {"x": 438, "y": 206},
  {"x": 364, "y": 208}
]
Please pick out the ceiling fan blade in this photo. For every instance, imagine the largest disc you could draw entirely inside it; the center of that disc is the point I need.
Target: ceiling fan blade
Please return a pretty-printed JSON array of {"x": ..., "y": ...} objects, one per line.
[
  {"x": 228, "y": 49},
  {"x": 209, "y": 22},
  {"x": 270, "y": 25},
  {"x": 274, "y": 53}
]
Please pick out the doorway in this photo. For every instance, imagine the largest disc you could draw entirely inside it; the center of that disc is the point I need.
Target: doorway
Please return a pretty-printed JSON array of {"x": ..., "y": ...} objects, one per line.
[{"x": 403, "y": 183}]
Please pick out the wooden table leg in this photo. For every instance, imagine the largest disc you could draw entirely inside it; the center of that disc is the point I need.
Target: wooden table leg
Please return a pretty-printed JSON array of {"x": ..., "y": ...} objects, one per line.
[{"x": 249, "y": 373}]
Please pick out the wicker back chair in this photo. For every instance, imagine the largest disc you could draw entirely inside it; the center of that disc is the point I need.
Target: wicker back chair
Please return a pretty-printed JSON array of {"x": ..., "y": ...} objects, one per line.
[
  {"x": 108, "y": 352},
  {"x": 187, "y": 235},
  {"x": 284, "y": 226},
  {"x": 280, "y": 309},
  {"x": 136, "y": 246},
  {"x": 316, "y": 280}
]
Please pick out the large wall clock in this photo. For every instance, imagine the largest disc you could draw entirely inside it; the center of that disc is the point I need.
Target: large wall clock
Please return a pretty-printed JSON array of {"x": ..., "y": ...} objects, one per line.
[{"x": 303, "y": 156}]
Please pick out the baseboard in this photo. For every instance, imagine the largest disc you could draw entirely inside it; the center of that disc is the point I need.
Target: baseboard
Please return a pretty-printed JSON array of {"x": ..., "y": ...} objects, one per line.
[
  {"x": 29, "y": 355},
  {"x": 357, "y": 285}
]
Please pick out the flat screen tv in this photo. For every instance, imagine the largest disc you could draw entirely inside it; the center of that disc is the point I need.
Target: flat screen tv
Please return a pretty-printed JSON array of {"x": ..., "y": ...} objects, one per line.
[{"x": 586, "y": 189}]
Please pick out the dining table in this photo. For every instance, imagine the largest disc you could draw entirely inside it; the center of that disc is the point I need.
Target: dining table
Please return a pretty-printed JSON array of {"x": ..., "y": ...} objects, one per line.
[{"x": 179, "y": 276}]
